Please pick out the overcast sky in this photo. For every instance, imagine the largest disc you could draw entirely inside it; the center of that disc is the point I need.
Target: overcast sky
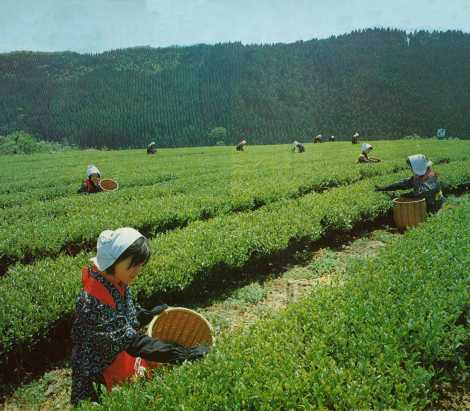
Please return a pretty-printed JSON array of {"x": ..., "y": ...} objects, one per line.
[{"x": 97, "y": 25}]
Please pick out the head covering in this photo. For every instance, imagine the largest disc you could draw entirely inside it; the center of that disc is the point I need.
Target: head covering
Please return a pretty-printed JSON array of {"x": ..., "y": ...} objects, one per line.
[
  {"x": 366, "y": 148},
  {"x": 419, "y": 164},
  {"x": 111, "y": 244},
  {"x": 91, "y": 169},
  {"x": 356, "y": 134}
]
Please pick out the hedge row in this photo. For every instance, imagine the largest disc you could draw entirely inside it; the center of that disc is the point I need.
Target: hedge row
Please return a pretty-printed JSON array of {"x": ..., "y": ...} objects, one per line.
[{"x": 377, "y": 339}]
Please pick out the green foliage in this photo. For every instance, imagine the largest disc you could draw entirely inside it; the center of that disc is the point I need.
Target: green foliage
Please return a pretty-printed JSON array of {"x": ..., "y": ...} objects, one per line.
[
  {"x": 369, "y": 80},
  {"x": 323, "y": 265},
  {"x": 377, "y": 341},
  {"x": 35, "y": 296},
  {"x": 33, "y": 396},
  {"x": 183, "y": 186},
  {"x": 250, "y": 294},
  {"x": 218, "y": 135},
  {"x": 23, "y": 143}
]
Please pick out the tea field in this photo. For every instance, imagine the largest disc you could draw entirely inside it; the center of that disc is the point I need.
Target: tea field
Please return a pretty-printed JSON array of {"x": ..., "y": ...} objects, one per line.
[
  {"x": 212, "y": 211},
  {"x": 381, "y": 339}
]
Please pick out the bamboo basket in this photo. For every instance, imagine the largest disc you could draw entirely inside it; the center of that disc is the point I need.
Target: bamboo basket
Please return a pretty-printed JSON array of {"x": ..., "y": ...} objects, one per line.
[
  {"x": 109, "y": 185},
  {"x": 408, "y": 212},
  {"x": 181, "y": 326}
]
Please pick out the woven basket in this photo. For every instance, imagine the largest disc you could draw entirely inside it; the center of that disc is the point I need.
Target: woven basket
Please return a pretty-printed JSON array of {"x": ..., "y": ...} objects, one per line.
[
  {"x": 408, "y": 212},
  {"x": 109, "y": 185},
  {"x": 181, "y": 326}
]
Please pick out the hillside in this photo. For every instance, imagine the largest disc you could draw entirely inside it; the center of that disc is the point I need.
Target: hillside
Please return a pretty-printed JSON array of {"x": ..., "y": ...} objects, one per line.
[{"x": 381, "y": 82}]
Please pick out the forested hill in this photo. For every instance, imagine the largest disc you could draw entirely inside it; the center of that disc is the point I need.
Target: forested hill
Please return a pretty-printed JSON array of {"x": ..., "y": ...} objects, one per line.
[{"x": 380, "y": 82}]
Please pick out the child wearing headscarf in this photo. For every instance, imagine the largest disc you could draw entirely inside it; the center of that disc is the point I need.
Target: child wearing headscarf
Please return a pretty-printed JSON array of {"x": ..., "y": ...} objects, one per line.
[{"x": 107, "y": 347}]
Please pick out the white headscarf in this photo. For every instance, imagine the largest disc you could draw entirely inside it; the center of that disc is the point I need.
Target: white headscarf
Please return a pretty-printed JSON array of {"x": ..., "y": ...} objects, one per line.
[
  {"x": 419, "y": 164},
  {"x": 91, "y": 169},
  {"x": 111, "y": 244},
  {"x": 366, "y": 148}
]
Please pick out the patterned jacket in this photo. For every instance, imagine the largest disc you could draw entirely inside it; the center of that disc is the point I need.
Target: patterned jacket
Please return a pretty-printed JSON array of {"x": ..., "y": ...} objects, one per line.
[{"x": 99, "y": 334}]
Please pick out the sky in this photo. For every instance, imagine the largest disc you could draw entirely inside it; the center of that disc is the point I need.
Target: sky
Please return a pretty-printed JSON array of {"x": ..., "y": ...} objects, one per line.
[{"x": 98, "y": 25}]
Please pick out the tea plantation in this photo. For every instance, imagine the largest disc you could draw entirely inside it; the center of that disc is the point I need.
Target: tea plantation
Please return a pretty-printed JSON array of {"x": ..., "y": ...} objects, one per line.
[{"x": 371, "y": 342}]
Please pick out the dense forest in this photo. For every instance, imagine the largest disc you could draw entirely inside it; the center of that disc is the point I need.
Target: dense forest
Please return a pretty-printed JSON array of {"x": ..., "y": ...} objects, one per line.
[{"x": 381, "y": 82}]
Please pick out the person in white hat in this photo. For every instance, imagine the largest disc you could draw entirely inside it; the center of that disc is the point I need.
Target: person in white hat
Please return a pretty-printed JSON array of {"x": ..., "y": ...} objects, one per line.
[
  {"x": 424, "y": 182},
  {"x": 332, "y": 139},
  {"x": 106, "y": 346},
  {"x": 240, "y": 146},
  {"x": 355, "y": 138},
  {"x": 298, "y": 146},
  {"x": 364, "y": 157},
  {"x": 318, "y": 139},
  {"x": 152, "y": 148},
  {"x": 92, "y": 183}
]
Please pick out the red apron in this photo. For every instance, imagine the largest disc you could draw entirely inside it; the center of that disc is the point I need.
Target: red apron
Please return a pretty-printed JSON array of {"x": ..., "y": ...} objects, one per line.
[{"x": 124, "y": 365}]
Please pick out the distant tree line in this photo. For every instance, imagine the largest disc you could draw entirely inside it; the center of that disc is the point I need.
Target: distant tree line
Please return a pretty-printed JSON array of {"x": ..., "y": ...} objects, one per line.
[
  {"x": 383, "y": 83},
  {"x": 20, "y": 142}
]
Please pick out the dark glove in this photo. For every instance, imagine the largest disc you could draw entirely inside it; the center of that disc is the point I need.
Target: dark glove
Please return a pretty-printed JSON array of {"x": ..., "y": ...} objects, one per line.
[
  {"x": 189, "y": 354},
  {"x": 197, "y": 352},
  {"x": 145, "y": 316},
  {"x": 154, "y": 350}
]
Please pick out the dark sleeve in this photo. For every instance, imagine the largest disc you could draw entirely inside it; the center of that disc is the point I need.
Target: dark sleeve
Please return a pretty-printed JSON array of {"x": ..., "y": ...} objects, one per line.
[
  {"x": 401, "y": 185},
  {"x": 154, "y": 350}
]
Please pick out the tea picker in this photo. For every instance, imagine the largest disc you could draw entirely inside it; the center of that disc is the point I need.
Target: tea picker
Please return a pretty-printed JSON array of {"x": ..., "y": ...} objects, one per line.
[
  {"x": 152, "y": 148},
  {"x": 355, "y": 138},
  {"x": 92, "y": 183},
  {"x": 318, "y": 139},
  {"x": 299, "y": 147},
  {"x": 240, "y": 146},
  {"x": 364, "y": 157},
  {"x": 107, "y": 348},
  {"x": 424, "y": 182}
]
